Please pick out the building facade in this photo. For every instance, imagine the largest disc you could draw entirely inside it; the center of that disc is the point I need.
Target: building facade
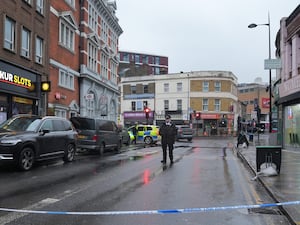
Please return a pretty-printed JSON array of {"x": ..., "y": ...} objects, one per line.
[
  {"x": 140, "y": 64},
  {"x": 255, "y": 95},
  {"x": 212, "y": 94},
  {"x": 288, "y": 81},
  {"x": 23, "y": 57},
  {"x": 98, "y": 82},
  {"x": 63, "y": 100}
]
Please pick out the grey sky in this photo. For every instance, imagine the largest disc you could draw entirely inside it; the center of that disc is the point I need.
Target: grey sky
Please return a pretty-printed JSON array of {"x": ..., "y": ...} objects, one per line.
[{"x": 204, "y": 34}]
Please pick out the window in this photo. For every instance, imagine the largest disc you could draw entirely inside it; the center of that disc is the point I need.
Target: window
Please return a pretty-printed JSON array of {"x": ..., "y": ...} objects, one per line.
[
  {"x": 39, "y": 50},
  {"x": 137, "y": 58},
  {"x": 92, "y": 57},
  {"x": 93, "y": 18},
  {"x": 205, "y": 86},
  {"x": 90, "y": 106},
  {"x": 157, "y": 60},
  {"x": 9, "y": 34},
  {"x": 166, "y": 87},
  {"x": 66, "y": 79},
  {"x": 157, "y": 70},
  {"x": 145, "y": 59},
  {"x": 133, "y": 106},
  {"x": 71, "y": 2},
  {"x": 113, "y": 69},
  {"x": 25, "y": 45},
  {"x": 104, "y": 30},
  {"x": 166, "y": 104},
  {"x": 125, "y": 57},
  {"x": 179, "y": 104},
  {"x": 145, "y": 104},
  {"x": 139, "y": 105},
  {"x": 217, "y": 105},
  {"x": 145, "y": 87},
  {"x": 133, "y": 89},
  {"x": 104, "y": 65},
  {"x": 67, "y": 35},
  {"x": 40, "y": 6},
  {"x": 179, "y": 87},
  {"x": 27, "y": 1},
  {"x": 205, "y": 104},
  {"x": 217, "y": 86},
  {"x": 61, "y": 113}
]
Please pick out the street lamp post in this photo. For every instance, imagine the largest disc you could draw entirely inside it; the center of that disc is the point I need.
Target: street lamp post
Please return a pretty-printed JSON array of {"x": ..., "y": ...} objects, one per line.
[{"x": 253, "y": 25}]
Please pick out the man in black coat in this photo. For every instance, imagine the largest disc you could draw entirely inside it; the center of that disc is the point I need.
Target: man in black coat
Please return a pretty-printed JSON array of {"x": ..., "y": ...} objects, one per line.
[{"x": 168, "y": 134}]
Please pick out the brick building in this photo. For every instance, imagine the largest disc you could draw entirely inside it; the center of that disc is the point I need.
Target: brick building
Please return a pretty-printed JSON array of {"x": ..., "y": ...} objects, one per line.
[{"x": 23, "y": 56}]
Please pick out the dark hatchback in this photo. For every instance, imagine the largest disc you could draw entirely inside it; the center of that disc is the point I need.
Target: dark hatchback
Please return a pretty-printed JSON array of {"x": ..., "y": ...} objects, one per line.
[{"x": 25, "y": 139}]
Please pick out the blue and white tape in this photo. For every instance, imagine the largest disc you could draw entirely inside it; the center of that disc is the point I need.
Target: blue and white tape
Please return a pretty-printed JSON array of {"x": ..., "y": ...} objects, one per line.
[{"x": 163, "y": 211}]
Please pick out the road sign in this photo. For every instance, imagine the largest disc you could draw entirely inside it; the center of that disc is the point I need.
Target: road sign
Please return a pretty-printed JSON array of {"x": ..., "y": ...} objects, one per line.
[{"x": 272, "y": 64}]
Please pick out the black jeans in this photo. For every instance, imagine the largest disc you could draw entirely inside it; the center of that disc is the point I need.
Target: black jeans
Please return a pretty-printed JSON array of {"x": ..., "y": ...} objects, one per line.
[{"x": 170, "y": 146}]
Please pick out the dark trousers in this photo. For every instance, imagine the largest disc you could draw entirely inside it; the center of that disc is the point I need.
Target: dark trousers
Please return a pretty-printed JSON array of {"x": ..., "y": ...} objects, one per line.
[{"x": 164, "y": 148}]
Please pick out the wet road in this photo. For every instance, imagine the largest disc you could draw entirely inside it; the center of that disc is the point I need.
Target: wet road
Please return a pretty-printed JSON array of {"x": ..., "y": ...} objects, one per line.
[{"x": 135, "y": 180}]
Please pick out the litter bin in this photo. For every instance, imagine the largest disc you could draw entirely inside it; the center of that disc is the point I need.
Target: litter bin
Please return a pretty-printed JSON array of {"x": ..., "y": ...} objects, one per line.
[{"x": 268, "y": 155}]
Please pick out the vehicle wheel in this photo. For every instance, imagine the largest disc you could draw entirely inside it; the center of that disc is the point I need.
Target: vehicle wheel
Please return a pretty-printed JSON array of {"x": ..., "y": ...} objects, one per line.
[
  {"x": 101, "y": 150},
  {"x": 26, "y": 159},
  {"x": 69, "y": 153},
  {"x": 148, "y": 140}
]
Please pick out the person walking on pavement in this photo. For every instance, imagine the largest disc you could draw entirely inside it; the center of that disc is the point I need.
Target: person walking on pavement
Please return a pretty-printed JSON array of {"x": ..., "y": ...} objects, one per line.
[{"x": 168, "y": 132}]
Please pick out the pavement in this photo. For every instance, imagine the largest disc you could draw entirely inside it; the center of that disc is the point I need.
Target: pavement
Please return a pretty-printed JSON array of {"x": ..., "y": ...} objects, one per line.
[{"x": 284, "y": 187}]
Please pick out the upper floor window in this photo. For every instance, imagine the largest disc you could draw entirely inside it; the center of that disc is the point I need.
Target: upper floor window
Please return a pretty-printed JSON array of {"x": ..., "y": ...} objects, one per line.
[
  {"x": 67, "y": 35},
  {"x": 27, "y": 1},
  {"x": 166, "y": 104},
  {"x": 9, "y": 34},
  {"x": 92, "y": 57},
  {"x": 125, "y": 57},
  {"x": 39, "y": 50},
  {"x": 25, "y": 45},
  {"x": 157, "y": 61},
  {"x": 179, "y": 104},
  {"x": 133, "y": 106},
  {"x": 40, "y": 6},
  {"x": 205, "y": 86},
  {"x": 218, "y": 86},
  {"x": 136, "y": 58},
  {"x": 145, "y": 88},
  {"x": 205, "y": 104},
  {"x": 66, "y": 79},
  {"x": 217, "y": 105},
  {"x": 104, "y": 65},
  {"x": 93, "y": 18},
  {"x": 145, "y": 59},
  {"x": 71, "y": 2},
  {"x": 157, "y": 70},
  {"x": 133, "y": 89},
  {"x": 179, "y": 87},
  {"x": 166, "y": 87}
]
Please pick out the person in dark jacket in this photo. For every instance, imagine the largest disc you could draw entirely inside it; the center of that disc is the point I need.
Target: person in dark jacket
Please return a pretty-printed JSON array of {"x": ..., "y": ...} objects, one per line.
[{"x": 168, "y": 134}]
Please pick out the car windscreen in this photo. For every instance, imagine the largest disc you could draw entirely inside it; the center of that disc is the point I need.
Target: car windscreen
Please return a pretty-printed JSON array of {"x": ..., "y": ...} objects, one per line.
[
  {"x": 20, "y": 124},
  {"x": 83, "y": 123}
]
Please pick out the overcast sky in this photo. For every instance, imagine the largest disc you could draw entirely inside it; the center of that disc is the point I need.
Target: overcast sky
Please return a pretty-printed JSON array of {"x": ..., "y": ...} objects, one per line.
[{"x": 204, "y": 34}]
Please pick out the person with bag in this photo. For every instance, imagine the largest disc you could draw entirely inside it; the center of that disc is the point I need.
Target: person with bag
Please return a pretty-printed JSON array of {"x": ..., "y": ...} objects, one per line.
[{"x": 168, "y": 134}]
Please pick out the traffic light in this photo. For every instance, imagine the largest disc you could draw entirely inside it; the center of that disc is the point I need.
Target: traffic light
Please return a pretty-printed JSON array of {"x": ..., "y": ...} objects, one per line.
[
  {"x": 147, "y": 112},
  {"x": 45, "y": 86},
  {"x": 197, "y": 116}
]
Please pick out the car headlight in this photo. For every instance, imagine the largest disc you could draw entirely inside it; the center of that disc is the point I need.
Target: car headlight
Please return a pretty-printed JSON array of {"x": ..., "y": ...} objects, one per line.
[{"x": 10, "y": 141}]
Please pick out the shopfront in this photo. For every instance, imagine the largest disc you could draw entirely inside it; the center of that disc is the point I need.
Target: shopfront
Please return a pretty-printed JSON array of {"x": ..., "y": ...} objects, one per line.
[
  {"x": 19, "y": 91},
  {"x": 291, "y": 126}
]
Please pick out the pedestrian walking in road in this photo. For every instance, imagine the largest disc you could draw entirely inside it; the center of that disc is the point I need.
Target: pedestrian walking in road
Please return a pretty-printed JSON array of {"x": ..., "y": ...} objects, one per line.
[{"x": 168, "y": 134}]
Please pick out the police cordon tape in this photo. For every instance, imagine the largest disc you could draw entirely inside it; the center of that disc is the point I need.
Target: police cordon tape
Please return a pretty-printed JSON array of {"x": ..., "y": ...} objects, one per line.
[{"x": 164, "y": 211}]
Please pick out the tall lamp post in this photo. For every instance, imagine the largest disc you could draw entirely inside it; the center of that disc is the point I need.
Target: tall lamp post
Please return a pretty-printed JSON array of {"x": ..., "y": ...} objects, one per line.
[{"x": 253, "y": 25}]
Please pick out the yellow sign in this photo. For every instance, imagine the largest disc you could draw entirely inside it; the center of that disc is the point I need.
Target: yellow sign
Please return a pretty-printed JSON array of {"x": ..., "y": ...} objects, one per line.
[{"x": 15, "y": 79}]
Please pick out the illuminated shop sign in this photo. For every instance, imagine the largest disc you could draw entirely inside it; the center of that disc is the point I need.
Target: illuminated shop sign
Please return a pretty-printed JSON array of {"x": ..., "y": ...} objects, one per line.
[{"x": 15, "y": 79}]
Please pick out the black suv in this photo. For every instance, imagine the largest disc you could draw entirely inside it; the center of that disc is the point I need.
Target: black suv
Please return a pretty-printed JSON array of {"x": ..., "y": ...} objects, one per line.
[{"x": 25, "y": 139}]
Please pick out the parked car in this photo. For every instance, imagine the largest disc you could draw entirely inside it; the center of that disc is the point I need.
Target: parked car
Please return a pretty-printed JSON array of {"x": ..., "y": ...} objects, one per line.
[
  {"x": 125, "y": 135},
  {"x": 97, "y": 134},
  {"x": 147, "y": 134},
  {"x": 184, "y": 132},
  {"x": 25, "y": 139}
]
